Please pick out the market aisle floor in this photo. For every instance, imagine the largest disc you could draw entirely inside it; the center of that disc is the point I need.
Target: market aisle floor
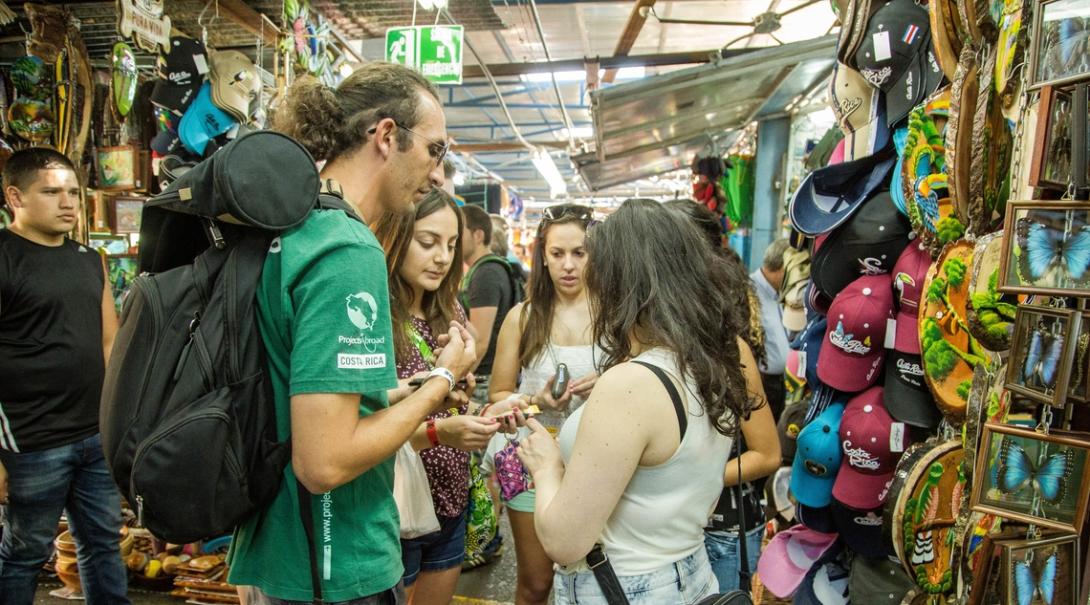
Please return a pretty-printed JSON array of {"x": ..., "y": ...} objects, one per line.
[{"x": 490, "y": 585}]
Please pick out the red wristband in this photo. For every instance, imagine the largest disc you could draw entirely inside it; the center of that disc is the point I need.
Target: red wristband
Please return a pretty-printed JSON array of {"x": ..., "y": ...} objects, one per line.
[{"x": 433, "y": 434}]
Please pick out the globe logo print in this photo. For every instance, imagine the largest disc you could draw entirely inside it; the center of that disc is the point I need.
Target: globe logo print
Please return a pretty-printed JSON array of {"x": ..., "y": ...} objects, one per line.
[{"x": 362, "y": 310}]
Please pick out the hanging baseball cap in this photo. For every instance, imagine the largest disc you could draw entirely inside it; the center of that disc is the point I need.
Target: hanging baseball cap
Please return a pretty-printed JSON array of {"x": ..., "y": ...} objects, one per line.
[
  {"x": 817, "y": 458},
  {"x": 878, "y": 581},
  {"x": 896, "y": 183},
  {"x": 181, "y": 71},
  {"x": 796, "y": 280},
  {"x": 907, "y": 397},
  {"x": 909, "y": 273},
  {"x": 789, "y": 556},
  {"x": 853, "y": 350},
  {"x": 828, "y": 197},
  {"x": 861, "y": 530},
  {"x": 817, "y": 518},
  {"x": 123, "y": 77},
  {"x": 895, "y": 57},
  {"x": 860, "y": 112},
  {"x": 235, "y": 83},
  {"x": 826, "y": 583},
  {"x": 789, "y": 426},
  {"x": 868, "y": 244},
  {"x": 778, "y": 493},
  {"x": 872, "y": 444},
  {"x": 203, "y": 121},
  {"x": 808, "y": 344}
]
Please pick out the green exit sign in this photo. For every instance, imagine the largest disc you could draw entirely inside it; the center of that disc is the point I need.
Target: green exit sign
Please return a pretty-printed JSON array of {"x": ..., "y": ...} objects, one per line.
[{"x": 435, "y": 51}]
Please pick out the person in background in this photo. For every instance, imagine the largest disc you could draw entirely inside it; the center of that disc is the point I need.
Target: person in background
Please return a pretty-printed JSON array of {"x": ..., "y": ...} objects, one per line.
[
  {"x": 767, "y": 281},
  {"x": 488, "y": 291},
  {"x": 552, "y": 327},
  {"x": 324, "y": 315},
  {"x": 448, "y": 176},
  {"x": 637, "y": 469},
  {"x": 501, "y": 246},
  {"x": 721, "y": 535},
  {"x": 57, "y": 326},
  {"x": 424, "y": 265}
]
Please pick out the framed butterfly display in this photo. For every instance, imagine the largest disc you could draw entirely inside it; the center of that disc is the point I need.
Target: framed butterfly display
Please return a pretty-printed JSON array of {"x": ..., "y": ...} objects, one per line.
[
  {"x": 1040, "y": 571},
  {"x": 1078, "y": 386},
  {"x": 1042, "y": 353},
  {"x": 1047, "y": 249},
  {"x": 1060, "y": 53},
  {"x": 1032, "y": 477}
]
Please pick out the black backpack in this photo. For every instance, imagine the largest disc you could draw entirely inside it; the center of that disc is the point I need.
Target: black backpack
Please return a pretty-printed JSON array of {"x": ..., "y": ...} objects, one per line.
[
  {"x": 187, "y": 418},
  {"x": 515, "y": 277}
]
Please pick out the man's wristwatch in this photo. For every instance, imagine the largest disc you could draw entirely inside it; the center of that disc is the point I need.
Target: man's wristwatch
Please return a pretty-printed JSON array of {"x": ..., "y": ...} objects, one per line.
[{"x": 445, "y": 374}]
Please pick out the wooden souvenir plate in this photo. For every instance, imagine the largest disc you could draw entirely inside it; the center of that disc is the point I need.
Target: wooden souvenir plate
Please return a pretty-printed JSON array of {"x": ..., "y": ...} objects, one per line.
[
  {"x": 991, "y": 156},
  {"x": 991, "y": 313},
  {"x": 944, "y": 36},
  {"x": 923, "y": 174},
  {"x": 925, "y": 499},
  {"x": 1010, "y": 48},
  {"x": 977, "y": 18},
  {"x": 949, "y": 351},
  {"x": 959, "y": 131}
]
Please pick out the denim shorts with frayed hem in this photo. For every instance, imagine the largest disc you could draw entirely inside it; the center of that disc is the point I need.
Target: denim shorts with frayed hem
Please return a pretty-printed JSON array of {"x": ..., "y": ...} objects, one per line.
[{"x": 684, "y": 582}]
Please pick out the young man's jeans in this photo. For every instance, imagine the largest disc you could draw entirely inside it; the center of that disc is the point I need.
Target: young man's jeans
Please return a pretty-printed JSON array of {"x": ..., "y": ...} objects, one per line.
[
  {"x": 41, "y": 485},
  {"x": 724, "y": 554},
  {"x": 394, "y": 596}
]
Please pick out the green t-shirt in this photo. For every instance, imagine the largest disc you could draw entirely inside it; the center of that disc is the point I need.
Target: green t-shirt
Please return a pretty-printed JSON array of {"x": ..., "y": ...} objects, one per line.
[{"x": 324, "y": 315}]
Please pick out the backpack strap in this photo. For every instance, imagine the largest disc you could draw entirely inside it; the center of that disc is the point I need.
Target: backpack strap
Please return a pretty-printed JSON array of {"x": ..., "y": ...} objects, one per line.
[
  {"x": 679, "y": 409},
  {"x": 331, "y": 197},
  {"x": 306, "y": 511}
]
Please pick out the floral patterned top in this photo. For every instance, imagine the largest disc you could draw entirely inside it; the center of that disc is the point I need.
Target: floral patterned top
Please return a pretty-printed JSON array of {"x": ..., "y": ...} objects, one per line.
[{"x": 447, "y": 468}]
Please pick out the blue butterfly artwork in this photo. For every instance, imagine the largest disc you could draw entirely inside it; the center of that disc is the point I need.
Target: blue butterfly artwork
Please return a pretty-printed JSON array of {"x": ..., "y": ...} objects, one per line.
[
  {"x": 1052, "y": 257},
  {"x": 1043, "y": 355},
  {"x": 1015, "y": 471},
  {"x": 1030, "y": 583}
]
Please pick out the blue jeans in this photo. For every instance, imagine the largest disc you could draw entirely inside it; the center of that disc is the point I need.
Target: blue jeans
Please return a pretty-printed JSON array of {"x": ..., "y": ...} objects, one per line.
[
  {"x": 724, "y": 554},
  {"x": 41, "y": 484},
  {"x": 681, "y": 583}
]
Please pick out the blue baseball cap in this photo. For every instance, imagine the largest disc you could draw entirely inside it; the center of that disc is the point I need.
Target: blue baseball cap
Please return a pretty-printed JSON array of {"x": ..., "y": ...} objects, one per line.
[
  {"x": 817, "y": 458},
  {"x": 203, "y": 121},
  {"x": 826, "y": 583},
  {"x": 829, "y": 196},
  {"x": 808, "y": 344}
]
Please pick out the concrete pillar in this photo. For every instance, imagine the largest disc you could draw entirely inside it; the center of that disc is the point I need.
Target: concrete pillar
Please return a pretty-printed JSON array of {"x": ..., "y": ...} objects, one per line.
[{"x": 773, "y": 138}]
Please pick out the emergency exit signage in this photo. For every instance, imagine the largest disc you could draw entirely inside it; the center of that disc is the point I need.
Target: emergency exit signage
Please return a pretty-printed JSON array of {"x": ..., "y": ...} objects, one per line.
[{"x": 434, "y": 51}]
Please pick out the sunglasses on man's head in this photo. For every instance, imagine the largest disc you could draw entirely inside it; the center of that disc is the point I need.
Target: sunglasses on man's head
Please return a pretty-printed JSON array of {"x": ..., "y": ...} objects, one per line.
[{"x": 436, "y": 150}]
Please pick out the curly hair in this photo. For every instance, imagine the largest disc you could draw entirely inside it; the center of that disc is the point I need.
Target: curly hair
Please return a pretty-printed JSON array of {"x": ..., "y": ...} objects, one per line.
[
  {"x": 330, "y": 122},
  {"x": 652, "y": 278},
  {"x": 745, "y": 298},
  {"x": 395, "y": 232}
]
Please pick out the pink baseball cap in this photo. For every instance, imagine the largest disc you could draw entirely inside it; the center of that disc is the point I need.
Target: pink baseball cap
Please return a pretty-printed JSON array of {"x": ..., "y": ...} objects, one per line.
[
  {"x": 908, "y": 276},
  {"x": 789, "y": 556},
  {"x": 871, "y": 443},
  {"x": 854, "y": 347}
]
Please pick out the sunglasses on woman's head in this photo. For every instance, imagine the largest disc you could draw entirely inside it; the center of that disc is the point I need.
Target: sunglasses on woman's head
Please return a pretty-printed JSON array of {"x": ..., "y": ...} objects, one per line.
[{"x": 561, "y": 211}]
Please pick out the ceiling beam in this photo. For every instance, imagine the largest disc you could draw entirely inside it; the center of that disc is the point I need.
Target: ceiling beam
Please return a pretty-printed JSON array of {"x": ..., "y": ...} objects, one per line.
[
  {"x": 631, "y": 31},
  {"x": 615, "y": 62},
  {"x": 505, "y": 147},
  {"x": 251, "y": 20}
]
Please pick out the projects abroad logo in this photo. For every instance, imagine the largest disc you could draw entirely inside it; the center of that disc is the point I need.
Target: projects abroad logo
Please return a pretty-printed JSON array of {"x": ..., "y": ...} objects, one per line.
[{"x": 362, "y": 310}]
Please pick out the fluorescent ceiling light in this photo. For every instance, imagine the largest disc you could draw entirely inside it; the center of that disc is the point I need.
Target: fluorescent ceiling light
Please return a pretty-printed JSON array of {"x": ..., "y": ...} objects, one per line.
[
  {"x": 547, "y": 167},
  {"x": 432, "y": 4},
  {"x": 579, "y": 132},
  {"x": 575, "y": 75}
]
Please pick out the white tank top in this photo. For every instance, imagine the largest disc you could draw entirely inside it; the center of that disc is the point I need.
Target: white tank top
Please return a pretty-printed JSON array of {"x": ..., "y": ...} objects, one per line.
[
  {"x": 580, "y": 359},
  {"x": 661, "y": 515}
]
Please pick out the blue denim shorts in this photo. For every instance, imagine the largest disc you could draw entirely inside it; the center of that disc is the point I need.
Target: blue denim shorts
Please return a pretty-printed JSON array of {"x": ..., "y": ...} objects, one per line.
[
  {"x": 683, "y": 583},
  {"x": 437, "y": 551},
  {"x": 724, "y": 554}
]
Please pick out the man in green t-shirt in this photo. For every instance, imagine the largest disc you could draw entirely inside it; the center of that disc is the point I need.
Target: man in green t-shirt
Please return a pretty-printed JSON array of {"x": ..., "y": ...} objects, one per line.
[{"x": 324, "y": 315}]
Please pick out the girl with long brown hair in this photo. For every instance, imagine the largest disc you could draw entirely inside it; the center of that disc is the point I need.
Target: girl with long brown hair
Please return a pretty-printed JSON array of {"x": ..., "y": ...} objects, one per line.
[
  {"x": 551, "y": 328},
  {"x": 424, "y": 265}
]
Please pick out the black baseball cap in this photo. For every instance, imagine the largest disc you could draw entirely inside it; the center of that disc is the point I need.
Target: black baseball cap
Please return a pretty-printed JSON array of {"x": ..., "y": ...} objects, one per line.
[
  {"x": 828, "y": 197},
  {"x": 895, "y": 56},
  {"x": 863, "y": 531},
  {"x": 816, "y": 518},
  {"x": 790, "y": 424},
  {"x": 879, "y": 581},
  {"x": 907, "y": 397},
  {"x": 869, "y": 243},
  {"x": 181, "y": 72}
]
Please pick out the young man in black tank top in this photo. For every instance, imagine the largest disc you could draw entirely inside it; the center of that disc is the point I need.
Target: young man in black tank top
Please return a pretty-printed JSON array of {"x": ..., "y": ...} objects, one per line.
[{"x": 57, "y": 324}]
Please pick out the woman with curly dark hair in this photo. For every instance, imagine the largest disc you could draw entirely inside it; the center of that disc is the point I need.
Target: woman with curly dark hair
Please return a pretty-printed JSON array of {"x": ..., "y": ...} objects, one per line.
[
  {"x": 640, "y": 466},
  {"x": 721, "y": 535}
]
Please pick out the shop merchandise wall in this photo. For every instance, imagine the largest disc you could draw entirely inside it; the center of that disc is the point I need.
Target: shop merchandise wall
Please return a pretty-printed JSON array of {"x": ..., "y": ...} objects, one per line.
[{"x": 938, "y": 424}]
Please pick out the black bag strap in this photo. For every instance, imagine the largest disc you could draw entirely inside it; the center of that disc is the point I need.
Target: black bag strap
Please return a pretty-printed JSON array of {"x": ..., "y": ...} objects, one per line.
[
  {"x": 306, "y": 511},
  {"x": 679, "y": 408},
  {"x": 607, "y": 578},
  {"x": 744, "y": 572},
  {"x": 331, "y": 197}
]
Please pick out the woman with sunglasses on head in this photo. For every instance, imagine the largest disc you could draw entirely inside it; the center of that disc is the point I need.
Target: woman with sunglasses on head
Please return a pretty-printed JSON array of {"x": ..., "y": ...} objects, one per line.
[
  {"x": 551, "y": 328},
  {"x": 640, "y": 466},
  {"x": 424, "y": 265}
]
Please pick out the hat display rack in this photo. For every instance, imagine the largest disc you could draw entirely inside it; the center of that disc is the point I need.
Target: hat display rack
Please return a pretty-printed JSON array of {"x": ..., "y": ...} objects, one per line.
[{"x": 945, "y": 358}]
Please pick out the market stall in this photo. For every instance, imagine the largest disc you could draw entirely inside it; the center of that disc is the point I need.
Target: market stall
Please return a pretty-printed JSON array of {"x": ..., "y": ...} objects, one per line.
[{"x": 938, "y": 418}]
